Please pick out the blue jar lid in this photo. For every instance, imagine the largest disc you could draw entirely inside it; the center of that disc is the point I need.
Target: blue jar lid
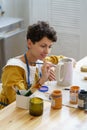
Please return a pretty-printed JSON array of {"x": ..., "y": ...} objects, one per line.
[{"x": 43, "y": 89}]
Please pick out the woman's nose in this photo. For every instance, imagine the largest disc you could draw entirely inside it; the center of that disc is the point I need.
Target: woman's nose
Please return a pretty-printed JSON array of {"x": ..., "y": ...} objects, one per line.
[{"x": 47, "y": 50}]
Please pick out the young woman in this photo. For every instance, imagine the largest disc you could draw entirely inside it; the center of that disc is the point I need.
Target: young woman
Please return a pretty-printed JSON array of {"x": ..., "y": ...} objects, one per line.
[{"x": 24, "y": 71}]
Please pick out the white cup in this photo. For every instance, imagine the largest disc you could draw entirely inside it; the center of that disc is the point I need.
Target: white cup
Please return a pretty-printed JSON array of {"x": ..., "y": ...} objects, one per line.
[{"x": 64, "y": 72}]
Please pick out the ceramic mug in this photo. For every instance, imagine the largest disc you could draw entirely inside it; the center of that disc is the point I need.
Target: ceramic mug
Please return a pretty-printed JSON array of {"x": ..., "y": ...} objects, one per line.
[{"x": 64, "y": 72}]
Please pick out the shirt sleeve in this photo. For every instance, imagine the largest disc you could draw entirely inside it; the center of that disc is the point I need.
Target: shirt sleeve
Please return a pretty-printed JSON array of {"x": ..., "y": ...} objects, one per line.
[{"x": 12, "y": 76}]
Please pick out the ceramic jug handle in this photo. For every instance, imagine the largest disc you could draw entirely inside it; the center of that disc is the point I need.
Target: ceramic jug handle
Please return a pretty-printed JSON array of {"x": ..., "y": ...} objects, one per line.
[{"x": 60, "y": 72}]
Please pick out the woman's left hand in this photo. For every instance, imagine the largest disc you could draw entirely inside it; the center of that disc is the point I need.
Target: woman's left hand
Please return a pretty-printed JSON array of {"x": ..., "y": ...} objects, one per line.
[
  {"x": 47, "y": 72},
  {"x": 52, "y": 76}
]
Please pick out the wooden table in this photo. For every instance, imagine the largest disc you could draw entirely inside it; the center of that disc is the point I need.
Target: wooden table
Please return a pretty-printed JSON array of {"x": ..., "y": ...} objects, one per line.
[{"x": 66, "y": 118}]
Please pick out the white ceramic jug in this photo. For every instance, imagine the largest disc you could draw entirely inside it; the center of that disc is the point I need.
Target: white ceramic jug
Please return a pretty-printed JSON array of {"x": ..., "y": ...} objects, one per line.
[{"x": 64, "y": 72}]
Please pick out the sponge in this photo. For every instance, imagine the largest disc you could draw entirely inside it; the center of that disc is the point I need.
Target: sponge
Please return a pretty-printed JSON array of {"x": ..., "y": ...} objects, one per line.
[{"x": 84, "y": 68}]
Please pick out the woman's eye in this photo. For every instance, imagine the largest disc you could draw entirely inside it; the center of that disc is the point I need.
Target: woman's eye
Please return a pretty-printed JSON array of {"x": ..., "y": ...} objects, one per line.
[
  {"x": 43, "y": 46},
  {"x": 50, "y": 46}
]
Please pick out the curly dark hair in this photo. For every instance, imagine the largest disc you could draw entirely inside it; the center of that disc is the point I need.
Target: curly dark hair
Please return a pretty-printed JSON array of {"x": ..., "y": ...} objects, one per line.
[{"x": 39, "y": 30}]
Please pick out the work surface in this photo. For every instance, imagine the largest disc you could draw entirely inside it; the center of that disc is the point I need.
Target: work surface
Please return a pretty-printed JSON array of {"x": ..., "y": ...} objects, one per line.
[{"x": 66, "y": 118}]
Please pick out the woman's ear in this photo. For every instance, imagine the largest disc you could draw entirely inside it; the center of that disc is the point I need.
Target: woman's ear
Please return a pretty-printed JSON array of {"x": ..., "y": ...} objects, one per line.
[{"x": 29, "y": 43}]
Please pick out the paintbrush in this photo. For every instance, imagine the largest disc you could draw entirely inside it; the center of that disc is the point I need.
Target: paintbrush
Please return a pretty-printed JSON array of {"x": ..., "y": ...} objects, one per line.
[
  {"x": 53, "y": 65},
  {"x": 16, "y": 90}
]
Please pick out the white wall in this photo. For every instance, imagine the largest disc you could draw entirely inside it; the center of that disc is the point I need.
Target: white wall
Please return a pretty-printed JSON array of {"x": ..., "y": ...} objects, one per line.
[
  {"x": 83, "y": 31},
  {"x": 17, "y": 8},
  {"x": 9, "y": 7},
  {"x": 70, "y": 24},
  {"x": 69, "y": 44}
]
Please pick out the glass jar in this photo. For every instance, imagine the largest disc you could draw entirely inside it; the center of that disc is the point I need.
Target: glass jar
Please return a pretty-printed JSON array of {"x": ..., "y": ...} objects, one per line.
[
  {"x": 56, "y": 99},
  {"x": 36, "y": 106},
  {"x": 82, "y": 100},
  {"x": 74, "y": 90},
  {"x": 85, "y": 103}
]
